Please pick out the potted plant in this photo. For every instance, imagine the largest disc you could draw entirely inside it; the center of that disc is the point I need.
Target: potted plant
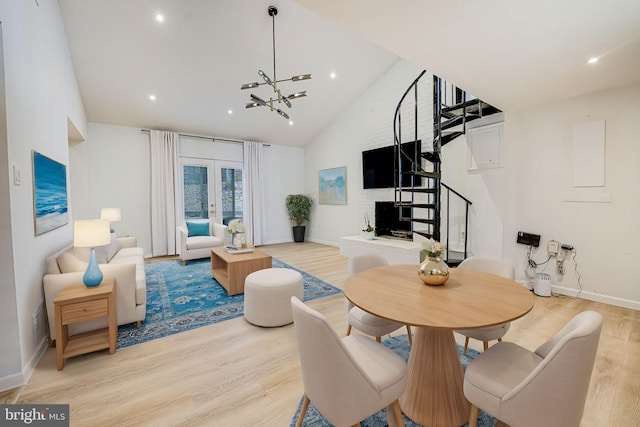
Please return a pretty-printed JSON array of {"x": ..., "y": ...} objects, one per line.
[
  {"x": 299, "y": 210},
  {"x": 368, "y": 229}
]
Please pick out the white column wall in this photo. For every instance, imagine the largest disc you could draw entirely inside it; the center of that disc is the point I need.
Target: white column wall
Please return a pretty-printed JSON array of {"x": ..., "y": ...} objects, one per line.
[
  {"x": 41, "y": 97},
  {"x": 283, "y": 175},
  {"x": 119, "y": 159}
]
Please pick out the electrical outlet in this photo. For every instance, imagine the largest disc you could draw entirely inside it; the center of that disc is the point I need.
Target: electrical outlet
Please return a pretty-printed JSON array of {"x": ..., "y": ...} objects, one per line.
[{"x": 553, "y": 247}]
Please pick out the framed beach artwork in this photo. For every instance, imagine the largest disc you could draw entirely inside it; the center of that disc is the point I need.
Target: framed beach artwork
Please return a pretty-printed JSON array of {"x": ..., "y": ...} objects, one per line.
[
  {"x": 332, "y": 185},
  {"x": 49, "y": 194}
]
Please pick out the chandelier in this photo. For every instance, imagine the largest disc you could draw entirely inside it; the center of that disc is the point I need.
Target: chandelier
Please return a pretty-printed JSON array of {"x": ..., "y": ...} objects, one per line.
[{"x": 277, "y": 98}]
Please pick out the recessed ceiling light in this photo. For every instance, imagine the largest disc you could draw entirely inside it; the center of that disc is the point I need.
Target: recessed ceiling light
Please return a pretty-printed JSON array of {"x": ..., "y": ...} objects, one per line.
[
  {"x": 593, "y": 60},
  {"x": 290, "y": 122},
  {"x": 230, "y": 111},
  {"x": 159, "y": 17},
  {"x": 152, "y": 97},
  {"x": 332, "y": 75}
]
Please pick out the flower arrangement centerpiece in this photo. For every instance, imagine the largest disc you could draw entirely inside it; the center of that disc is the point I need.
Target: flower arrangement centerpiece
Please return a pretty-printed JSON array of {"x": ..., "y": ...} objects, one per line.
[
  {"x": 235, "y": 226},
  {"x": 433, "y": 271},
  {"x": 236, "y": 233},
  {"x": 433, "y": 248}
]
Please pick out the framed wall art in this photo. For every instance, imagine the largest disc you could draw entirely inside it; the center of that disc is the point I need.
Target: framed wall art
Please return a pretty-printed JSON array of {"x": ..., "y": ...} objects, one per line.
[
  {"x": 332, "y": 185},
  {"x": 50, "y": 201}
]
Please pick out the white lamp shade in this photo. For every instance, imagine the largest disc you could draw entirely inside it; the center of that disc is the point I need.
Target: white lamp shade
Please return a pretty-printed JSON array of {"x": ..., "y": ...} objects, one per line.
[
  {"x": 91, "y": 233},
  {"x": 111, "y": 214}
]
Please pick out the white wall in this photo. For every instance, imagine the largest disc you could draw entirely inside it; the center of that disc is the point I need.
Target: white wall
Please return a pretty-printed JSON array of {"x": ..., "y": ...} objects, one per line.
[
  {"x": 119, "y": 176},
  {"x": 283, "y": 175},
  {"x": 119, "y": 160},
  {"x": 366, "y": 123},
  {"x": 41, "y": 97},
  {"x": 539, "y": 169}
]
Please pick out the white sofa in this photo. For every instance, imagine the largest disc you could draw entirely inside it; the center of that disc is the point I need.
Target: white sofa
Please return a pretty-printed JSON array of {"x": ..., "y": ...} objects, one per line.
[
  {"x": 121, "y": 260},
  {"x": 196, "y": 247}
]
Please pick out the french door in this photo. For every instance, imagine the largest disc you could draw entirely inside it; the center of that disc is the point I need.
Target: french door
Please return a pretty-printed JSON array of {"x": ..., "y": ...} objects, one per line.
[{"x": 213, "y": 189}]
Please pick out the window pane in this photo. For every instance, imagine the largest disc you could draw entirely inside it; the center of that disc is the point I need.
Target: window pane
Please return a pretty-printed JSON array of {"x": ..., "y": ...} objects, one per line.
[
  {"x": 232, "y": 195},
  {"x": 196, "y": 192}
]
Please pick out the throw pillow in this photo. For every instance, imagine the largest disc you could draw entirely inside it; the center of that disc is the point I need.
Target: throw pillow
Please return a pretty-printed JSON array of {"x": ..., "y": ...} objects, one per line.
[
  {"x": 74, "y": 259},
  {"x": 197, "y": 228}
]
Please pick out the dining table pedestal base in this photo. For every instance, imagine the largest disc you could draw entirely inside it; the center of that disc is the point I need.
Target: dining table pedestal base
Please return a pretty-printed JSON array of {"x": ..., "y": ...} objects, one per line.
[{"x": 434, "y": 395}]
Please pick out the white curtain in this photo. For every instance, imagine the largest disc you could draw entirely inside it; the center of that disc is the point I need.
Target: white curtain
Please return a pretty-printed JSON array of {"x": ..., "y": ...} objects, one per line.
[
  {"x": 166, "y": 192},
  {"x": 254, "y": 202}
]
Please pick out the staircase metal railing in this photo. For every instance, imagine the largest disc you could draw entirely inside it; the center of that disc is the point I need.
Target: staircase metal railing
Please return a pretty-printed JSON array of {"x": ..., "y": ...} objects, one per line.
[{"x": 422, "y": 191}]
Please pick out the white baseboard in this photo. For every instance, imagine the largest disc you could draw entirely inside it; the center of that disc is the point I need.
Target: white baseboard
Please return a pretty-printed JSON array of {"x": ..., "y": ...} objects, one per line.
[
  {"x": 592, "y": 296},
  {"x": 20, "y": 379},
  {"x": 324, "y": 242}
]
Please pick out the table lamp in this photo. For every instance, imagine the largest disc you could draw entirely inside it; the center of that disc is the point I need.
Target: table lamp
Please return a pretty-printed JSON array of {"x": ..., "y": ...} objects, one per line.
[
  {"x": 111, "y": 214},
  {"x": 89, "y": 234}
]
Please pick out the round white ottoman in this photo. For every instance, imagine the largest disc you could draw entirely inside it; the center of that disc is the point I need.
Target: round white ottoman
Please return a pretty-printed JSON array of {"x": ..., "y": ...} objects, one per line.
[{"x": 267, "y": 296}]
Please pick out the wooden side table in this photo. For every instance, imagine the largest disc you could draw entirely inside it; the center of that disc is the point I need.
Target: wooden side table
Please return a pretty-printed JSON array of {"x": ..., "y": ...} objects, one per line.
[{"x": 79, "y": 303}]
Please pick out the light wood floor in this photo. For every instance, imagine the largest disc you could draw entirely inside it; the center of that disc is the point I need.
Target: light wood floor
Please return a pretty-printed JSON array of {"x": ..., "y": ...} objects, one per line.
[{"x": 235, "y": 374}]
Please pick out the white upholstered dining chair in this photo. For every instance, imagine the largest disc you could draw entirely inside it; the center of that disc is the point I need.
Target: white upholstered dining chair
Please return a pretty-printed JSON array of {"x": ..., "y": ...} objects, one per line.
[
  {"x": 547, "y": 387},
  {"x": 356, "y": 317},
  {"x": 347, "y": 379},
  {"x": 498, "y": 267}
]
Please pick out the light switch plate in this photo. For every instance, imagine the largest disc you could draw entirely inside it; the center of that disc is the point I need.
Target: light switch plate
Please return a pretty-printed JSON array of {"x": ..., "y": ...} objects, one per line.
[{"x": 17, "y": 175}]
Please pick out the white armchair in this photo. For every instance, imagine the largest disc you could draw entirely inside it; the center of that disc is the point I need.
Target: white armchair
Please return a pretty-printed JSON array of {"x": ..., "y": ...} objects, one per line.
[{"x": 205, "y": 234}]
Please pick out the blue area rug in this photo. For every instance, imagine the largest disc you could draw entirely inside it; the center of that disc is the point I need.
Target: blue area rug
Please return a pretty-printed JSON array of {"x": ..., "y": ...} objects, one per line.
[
  {"x": 399, "y": 344},
  {"x": 180, "y": 298}
]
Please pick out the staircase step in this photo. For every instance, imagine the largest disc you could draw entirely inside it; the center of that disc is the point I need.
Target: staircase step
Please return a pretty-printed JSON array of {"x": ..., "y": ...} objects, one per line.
[
  {"x": 452, "y": 262},
  {"x": 455, "y": 121},
  {"x": 425, "y": 174},
  {"x": 423, "y": 233},
  {"x": 456, "y": 129},
  {"x": 474, "y": 106},
  {"x": 417, "y": 205},
  {"x": 420, "y": 220},
  {"x": 449, "y": 137},
  {"x": 417, "y": 190},
  {"x": 431, "y": 156}
]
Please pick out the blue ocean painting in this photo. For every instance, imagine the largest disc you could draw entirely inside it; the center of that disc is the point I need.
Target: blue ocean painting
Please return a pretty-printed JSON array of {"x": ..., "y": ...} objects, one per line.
[
  {"x": 50, "y": 193},
  {"x": 332, "y": 186}
]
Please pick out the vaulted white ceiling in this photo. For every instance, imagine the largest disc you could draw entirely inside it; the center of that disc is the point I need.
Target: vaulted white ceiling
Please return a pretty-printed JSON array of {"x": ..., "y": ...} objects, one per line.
[
  {"x": 514, "y": 54},
  {"x": 196, "y": 61}
]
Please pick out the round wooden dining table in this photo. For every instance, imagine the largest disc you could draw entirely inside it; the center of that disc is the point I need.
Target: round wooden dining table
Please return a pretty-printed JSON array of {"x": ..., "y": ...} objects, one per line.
[{"x": 468, "y": 300}]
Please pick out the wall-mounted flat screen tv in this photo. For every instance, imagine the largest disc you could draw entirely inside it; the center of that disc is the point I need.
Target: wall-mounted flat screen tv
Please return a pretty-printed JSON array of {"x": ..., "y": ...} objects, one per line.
[{"x": 378, "y": 166}]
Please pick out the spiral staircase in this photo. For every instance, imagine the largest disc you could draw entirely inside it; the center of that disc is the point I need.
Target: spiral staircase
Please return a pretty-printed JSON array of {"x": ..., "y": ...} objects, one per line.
[{"x": 428, "y": 198}]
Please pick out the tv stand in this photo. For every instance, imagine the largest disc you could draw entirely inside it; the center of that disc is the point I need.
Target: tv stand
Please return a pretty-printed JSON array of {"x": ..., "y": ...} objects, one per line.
[{"x": 394, "y": 250}]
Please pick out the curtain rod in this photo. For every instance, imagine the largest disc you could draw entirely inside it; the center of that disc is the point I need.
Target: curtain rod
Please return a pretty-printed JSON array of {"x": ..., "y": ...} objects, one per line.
[{"x": 212, "y": 138}]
